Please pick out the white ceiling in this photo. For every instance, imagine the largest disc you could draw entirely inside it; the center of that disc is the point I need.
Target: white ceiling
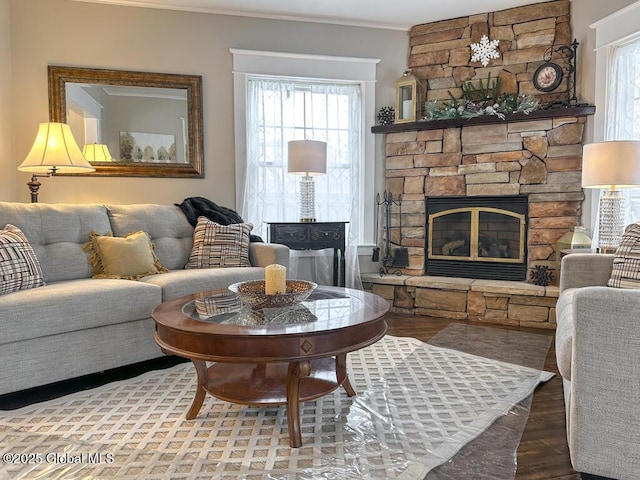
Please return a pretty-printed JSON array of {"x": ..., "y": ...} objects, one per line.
[{"x": 392, "y": 14}]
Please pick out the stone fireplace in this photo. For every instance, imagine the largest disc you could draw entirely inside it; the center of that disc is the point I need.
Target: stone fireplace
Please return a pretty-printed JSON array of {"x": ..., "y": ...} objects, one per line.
[{"x": 537, "y": 157}]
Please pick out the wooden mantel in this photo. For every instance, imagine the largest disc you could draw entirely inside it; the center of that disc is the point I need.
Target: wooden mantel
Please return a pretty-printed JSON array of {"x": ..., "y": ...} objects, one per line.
[{"x": 575, "y": 111}]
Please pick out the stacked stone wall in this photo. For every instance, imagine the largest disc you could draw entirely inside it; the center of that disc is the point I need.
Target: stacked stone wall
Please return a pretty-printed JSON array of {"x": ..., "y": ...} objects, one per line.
[
  {"x": 484, "y": 301},
  {"x": 441, "y": 51},
  {"x": 539, "y": 158}
]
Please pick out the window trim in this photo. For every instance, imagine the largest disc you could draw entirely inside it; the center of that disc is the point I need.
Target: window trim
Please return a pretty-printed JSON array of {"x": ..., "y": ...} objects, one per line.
[
  {"x": 612, "y": 30},
  {"x": 252, "y": 63}
]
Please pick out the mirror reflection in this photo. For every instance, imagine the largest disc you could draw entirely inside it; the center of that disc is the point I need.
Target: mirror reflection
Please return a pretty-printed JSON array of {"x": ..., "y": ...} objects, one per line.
[
  {"x": 138, "y": 124},
  {"x": 150, "y": 123}
]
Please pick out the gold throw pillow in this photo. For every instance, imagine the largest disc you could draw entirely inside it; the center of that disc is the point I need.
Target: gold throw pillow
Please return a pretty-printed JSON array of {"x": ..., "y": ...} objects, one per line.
[{"x": 130, "y": 257}]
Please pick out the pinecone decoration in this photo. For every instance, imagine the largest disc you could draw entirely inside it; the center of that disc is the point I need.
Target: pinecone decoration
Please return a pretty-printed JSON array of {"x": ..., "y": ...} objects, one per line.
[
  {"x": 387, "y": 115},
  {"x": 541, "y": 275}
]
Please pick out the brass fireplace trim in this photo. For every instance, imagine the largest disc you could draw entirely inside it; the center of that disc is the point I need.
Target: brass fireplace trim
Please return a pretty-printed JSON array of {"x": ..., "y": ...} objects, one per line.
[{"x": 474, "y": 235}]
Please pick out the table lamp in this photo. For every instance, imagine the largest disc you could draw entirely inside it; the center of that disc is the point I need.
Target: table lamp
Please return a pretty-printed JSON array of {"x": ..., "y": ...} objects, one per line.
[
  {"x": 96, "y": 152},
  {"x": 54, "y": 151},
  {"x": 307, "y": 158},
  {"x": 612, "y": 165}
]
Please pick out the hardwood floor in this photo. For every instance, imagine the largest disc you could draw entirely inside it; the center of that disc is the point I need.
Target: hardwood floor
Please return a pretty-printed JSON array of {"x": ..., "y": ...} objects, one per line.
[{"x": 543, "y": 453}]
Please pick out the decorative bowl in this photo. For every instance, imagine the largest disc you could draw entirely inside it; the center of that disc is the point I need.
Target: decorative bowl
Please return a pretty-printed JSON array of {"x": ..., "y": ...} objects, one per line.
[{"x": 252, "y": 293}]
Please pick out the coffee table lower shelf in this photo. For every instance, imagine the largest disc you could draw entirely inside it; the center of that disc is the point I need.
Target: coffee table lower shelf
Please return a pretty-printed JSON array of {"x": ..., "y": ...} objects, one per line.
[{"x": 262, "y": 384}]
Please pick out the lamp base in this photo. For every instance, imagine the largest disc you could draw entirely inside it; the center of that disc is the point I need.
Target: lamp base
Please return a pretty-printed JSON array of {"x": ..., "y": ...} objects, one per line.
[
  {"x": 34, "y": 187},
  {"x": 34, "y": 184},
  {"x": 307, "y": 199},
  {"x": 611, "y": 220}
]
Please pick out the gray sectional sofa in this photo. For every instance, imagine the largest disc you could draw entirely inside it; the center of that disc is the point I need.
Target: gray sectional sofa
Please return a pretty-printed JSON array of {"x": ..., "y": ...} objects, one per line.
[
  {"x": 75, "y": 324},
  {"x": 598, "y": 355}
]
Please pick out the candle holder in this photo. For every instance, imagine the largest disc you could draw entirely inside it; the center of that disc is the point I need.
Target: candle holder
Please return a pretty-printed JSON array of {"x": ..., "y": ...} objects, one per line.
[{"x": 252, "y": 293}]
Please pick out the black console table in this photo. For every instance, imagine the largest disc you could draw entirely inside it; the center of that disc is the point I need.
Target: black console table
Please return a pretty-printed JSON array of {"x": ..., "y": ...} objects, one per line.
[{"x": 314, "y": 236}]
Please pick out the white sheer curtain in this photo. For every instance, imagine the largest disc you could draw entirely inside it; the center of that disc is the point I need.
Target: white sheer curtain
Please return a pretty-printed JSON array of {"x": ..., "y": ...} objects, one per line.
[
  {"x": 280, "y": 110},
  {"x": 623, "y": 112}
]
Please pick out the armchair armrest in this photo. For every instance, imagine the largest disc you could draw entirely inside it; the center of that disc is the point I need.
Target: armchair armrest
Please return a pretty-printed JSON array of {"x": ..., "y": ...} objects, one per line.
[
  {"x": 263, "y": 254},
  {"x": 604, "y": 418},
  {"x": 585, "y": 270}
]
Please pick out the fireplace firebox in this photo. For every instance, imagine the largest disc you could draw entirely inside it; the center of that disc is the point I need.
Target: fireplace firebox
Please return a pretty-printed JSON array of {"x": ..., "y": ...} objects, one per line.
[{"x": 483, "y": 237}]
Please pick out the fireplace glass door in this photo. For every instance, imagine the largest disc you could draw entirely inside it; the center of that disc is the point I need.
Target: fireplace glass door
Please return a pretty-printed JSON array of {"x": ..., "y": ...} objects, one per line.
[{"x": 477, "y": 234}]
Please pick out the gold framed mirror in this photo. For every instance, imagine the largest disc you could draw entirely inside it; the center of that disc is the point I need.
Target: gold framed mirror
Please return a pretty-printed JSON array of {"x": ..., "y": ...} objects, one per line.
[{"x": 151, "y": 123}]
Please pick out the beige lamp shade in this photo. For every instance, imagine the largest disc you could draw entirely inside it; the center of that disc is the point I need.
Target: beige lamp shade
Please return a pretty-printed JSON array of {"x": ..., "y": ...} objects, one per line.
[
  {"x": 96, "y": 152},
  {"x": 613, "y": 164},
  {"x": 307, "y": 157},
  {"x": 55, "y": 150}
]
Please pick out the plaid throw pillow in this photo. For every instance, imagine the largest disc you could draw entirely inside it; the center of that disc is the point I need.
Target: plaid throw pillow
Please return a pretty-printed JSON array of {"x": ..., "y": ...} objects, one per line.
[
  {"x": 626, "y": 263},
  {"x": 219, "y": 246},
  {"x": 19, "y": 267}
]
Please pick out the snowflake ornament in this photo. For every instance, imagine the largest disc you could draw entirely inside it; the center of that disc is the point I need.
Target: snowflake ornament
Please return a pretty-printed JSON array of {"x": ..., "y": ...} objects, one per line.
[
  {"x": 386, "y": 115},
  {"x": 541, "y": 275},
  {"x": 485, "y": 50}
]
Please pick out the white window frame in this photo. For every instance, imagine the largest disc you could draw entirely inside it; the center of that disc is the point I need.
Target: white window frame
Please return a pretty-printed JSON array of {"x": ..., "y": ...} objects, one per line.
[
  {"x": 610, "y": 31},
  {"x": 251, "y": 63}
]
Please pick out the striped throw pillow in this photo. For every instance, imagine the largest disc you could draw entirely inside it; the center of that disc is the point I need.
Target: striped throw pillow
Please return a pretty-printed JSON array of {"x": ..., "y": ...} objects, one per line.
[
  {"x": 626, "y": 263},
  {"x": 210, "y": 305},
  {"x": 220, "y": 246},
  {"x": 19, "y": 266}
]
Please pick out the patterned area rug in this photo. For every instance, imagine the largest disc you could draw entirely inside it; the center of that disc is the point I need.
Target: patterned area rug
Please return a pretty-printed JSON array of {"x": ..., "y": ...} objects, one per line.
[{"x": 417, "y": 405}]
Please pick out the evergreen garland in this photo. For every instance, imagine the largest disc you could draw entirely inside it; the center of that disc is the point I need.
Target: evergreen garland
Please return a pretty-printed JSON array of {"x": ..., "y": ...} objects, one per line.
[{"x": 480, "y": 99}]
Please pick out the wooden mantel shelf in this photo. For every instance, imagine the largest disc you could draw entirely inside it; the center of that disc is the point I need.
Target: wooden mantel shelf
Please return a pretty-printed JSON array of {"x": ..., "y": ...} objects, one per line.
[{"x": 576, "y": 111}]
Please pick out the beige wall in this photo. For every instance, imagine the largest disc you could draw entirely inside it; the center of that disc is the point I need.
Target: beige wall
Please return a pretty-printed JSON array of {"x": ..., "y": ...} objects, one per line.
[
  {"x": 64, "y": 32},
  {"x": 7, "y": 170}
]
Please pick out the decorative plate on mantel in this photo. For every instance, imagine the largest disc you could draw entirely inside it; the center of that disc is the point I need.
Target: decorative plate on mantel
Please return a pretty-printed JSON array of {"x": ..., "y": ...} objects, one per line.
[{"x": 547, "y": 77}]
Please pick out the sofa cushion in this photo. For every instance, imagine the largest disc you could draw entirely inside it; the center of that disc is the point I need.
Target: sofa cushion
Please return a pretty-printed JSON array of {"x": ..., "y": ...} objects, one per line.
[
  {"x": 19, "y": 266},
  {"x": 177, "y": 283},
  {"x": 564, "y": 331},
  {"x": 220, "y": 246},
  {"x": 166, "y": 225},
  {"x": 57, "y": 234},
  {"x": 626, "y": 263},
  {"x": 61, "y": 307},
  {"x": 130, "y": 257}
]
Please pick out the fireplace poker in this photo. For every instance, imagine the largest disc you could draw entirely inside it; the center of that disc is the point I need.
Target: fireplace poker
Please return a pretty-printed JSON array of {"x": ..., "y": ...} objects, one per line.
[
  {"x": 375, "y": 257},
  {"x": 400, "y": 254},
  {"x": 388, "y": 260}
]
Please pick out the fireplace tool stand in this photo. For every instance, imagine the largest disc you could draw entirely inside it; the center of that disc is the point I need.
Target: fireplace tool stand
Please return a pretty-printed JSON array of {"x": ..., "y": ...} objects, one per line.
[{"x": 399, "y": 258}]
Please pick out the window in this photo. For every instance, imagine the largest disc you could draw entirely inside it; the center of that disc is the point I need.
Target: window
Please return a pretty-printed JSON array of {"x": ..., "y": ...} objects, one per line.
[
  {"x": 623, "y": 119},
  {"x": 617, "y": 90},
  {"x": 280, "y": 97},
  {"x": 280, "y": 110}
]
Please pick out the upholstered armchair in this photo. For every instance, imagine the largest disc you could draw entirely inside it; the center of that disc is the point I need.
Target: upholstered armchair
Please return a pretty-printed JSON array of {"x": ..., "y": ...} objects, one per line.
[{"x": 598, "y": 354}]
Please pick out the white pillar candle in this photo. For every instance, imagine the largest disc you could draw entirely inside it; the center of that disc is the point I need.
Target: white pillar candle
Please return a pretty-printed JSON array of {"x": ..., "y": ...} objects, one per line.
[
  {"x": 407, "y": 107},
  {"x": 275, "y": 279}
]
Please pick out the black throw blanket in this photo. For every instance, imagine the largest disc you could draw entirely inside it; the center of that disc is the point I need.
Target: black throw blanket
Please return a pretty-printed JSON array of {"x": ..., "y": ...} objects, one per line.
[{"x": 194, "y": 207}]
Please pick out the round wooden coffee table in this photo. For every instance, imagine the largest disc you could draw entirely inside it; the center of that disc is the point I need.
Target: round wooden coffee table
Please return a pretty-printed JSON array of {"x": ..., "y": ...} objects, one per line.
[{"x": 272, "y": 356}]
